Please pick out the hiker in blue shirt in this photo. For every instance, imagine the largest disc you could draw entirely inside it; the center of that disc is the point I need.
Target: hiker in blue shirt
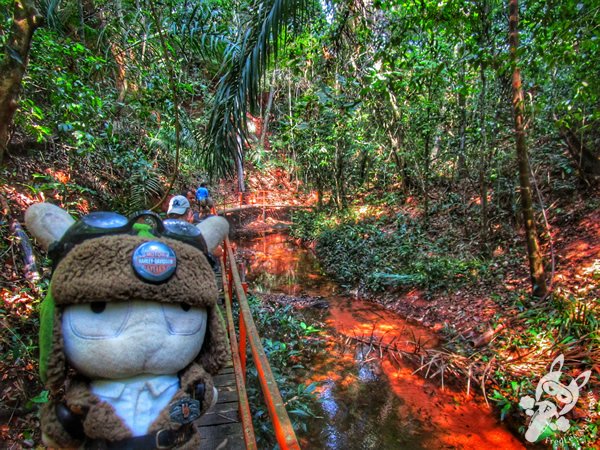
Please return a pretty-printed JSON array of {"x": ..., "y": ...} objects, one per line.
[{"x": 203, "y": 198}]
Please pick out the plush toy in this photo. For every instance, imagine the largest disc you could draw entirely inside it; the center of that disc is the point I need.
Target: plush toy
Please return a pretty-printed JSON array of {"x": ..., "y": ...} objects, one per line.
[{"x": 130, "y": 332}]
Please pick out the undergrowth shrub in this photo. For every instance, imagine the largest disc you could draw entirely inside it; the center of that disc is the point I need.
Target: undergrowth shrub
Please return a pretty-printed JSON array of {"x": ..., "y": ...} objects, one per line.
[
  {"x": 289, "y": 344},
  {"x": 62, "y": 95},
  {"x": 380, "y": 254}
]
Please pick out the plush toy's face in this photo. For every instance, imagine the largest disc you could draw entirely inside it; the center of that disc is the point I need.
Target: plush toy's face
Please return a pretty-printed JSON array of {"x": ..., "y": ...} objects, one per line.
[{"x": 124, "y": 339}]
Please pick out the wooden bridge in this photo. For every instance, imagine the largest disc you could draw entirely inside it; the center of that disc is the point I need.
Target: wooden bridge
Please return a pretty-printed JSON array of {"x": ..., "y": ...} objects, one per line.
[
  {"x": 228, "y": 425},
  {"x": 258, "y": 199}
]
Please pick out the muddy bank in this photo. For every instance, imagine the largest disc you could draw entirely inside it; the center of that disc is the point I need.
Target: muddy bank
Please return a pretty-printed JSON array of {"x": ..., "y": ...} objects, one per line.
[{"x": 469, "y": 312}]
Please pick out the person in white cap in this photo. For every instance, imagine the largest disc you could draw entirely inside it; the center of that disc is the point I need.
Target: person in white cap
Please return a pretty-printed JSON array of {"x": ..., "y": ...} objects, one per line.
[{"x": 180, "y": 209}]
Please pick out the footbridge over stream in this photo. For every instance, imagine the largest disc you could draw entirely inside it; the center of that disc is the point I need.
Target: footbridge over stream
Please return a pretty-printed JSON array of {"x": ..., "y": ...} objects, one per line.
[{"x": 229, "y": 424}]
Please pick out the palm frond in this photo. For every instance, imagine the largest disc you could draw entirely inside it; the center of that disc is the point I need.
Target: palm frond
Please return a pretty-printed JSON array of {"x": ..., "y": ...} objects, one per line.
[
  {"x": 238, "y": 89},
  {"x": 215, "y": 50},
  {"x": 190, "y": 141}
]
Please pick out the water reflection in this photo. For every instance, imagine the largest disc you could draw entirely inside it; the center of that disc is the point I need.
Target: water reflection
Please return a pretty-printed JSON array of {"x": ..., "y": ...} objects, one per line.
[{"x": 368, "y": 402}]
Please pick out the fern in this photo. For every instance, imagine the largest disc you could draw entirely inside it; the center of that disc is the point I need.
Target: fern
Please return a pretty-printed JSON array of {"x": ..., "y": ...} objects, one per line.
[{"x": 146, "y": 186}]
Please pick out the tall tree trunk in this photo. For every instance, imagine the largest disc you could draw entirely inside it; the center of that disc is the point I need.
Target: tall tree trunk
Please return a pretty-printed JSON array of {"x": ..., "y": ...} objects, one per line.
[
  {"x": 536, "y": 263},
  {"x": 26, "y": 20},
  {"x": 483, "y": 184}
]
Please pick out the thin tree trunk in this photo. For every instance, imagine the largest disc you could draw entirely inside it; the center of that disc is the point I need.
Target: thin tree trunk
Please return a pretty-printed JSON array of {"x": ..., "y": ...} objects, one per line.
[
  {"x": 484, "y": 42},
  {"x": 118, "y": 50},
  {"x": 427, "y": 161},
  {"x": 364, "y": 168},
  {"x": 484, "y": 232},
  {"x": 425, "y": 179},
  {"x": 536, "y": 264},
  {"x": 121, "y": 82},
  {"x": 462, "y": 133},
  {"x": 267, "y": 114},
  {"x": 26, "y": 20},
  {"x": 239, "y": 165},
  {"x": 339, "y": 178}
]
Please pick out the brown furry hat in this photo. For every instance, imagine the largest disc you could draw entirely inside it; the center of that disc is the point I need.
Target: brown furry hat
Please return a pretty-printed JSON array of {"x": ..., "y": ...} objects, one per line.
[{"x": 100, "y": 269}]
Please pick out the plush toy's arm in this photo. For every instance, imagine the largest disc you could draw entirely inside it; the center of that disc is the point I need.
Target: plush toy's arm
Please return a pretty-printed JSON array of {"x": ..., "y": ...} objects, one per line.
[
  {"x": 62, "y": 422},
  {"x": 198, "y": 383},
  {"x": 54, "y": 433}
]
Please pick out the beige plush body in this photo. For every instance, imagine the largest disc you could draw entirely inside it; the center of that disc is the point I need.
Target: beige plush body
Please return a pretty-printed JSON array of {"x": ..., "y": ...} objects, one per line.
[{"x": 99, "y": 271}]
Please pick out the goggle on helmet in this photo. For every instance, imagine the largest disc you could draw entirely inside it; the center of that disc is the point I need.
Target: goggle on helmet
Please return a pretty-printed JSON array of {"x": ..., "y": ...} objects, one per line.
[{"x": 149, "y": 255}]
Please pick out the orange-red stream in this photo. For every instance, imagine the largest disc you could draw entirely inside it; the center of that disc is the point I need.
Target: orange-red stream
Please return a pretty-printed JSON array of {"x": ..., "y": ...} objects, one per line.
[{"x": 368, "y": 401}]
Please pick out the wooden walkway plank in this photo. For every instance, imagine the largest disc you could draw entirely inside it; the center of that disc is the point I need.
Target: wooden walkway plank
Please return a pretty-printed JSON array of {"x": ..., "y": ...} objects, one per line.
[
  {"x": 226, "y": 436},
  {"x": 220, "y": 428}
]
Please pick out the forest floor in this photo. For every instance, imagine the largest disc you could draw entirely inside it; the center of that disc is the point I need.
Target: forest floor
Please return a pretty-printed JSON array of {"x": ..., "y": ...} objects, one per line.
[
  {"x": 493, "y": 328},
  {"x": 477, "y": 312},
  {"x": 577, "y": 263}
]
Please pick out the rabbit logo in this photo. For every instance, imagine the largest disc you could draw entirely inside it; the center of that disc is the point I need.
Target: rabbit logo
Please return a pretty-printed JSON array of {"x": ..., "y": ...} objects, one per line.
[{"x": 550, "y": 395}]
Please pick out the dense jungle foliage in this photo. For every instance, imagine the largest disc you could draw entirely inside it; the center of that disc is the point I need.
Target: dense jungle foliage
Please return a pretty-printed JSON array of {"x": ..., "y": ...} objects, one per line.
[{"x": 395, "y": 119}]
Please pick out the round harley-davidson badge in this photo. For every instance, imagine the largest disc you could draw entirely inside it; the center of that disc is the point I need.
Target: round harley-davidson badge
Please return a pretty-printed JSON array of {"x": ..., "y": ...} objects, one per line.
[{"x": 154, "y": 261}]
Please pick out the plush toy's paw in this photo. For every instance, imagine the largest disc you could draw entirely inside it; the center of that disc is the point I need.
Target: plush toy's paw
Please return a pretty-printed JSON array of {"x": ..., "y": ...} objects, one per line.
[
  {"x": 207, "y": 398},
  {"x": 50, "y": 444},
  {"x": 54, "y": 434}
]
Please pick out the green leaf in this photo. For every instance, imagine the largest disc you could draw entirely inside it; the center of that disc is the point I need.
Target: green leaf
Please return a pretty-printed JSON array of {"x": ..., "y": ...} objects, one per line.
[
  {"x": 42, "y": 397},
  {"x": 310, "y": 388},
  {"x": 299, "y": 412}
]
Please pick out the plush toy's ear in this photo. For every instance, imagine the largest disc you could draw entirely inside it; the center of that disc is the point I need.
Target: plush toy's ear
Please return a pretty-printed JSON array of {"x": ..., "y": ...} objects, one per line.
[
  {"x": 214, "y": 229},
  {"x": 47, "y": 223}
]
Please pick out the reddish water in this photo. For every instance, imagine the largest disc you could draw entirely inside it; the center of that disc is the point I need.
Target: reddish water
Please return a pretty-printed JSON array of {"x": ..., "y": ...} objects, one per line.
[{"x": 370, "y": 402}]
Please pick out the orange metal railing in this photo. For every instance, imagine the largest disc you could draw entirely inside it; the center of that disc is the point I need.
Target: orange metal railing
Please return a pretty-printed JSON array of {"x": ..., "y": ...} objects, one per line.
[{"x": 248, "y": 334}]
